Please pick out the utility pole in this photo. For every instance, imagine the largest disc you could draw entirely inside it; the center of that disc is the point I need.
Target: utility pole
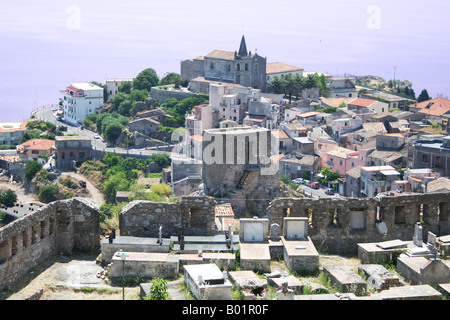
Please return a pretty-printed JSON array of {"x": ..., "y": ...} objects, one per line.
[{"x": 395, "y": 67}]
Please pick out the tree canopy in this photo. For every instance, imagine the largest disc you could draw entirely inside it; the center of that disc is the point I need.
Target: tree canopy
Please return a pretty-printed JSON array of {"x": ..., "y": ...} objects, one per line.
[
  {"x": 423, "y": 96},
  {"x": 294, "y": 85},
  {"x": 146, "y": 79}
]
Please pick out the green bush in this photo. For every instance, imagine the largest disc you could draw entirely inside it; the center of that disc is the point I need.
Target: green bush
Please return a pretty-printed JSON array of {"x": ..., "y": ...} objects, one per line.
[
  {"x": 8, "y": 198},
  {"x": 31, "y": 168},
  {"x": 47, "y": 193},
  {"x": 158, "y": 290}
]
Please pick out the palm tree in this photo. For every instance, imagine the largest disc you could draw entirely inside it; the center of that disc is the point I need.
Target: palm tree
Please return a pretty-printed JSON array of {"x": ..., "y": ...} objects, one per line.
[{"x": 275, "y": 85}]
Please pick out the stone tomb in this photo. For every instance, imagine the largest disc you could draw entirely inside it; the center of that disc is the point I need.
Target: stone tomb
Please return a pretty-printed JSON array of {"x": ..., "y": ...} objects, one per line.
[
  {"x": 133, "y": 244},
  {"x": 420, "y": 270},
  {"x": 375, "y": 252},
  {"x": 254, "y": 244},
  {"x": 146, "y": 265},
  {"x": 225, "y": 261},
  {"x": 420, "y": 292},
  {"x": 346, "y": 280},
  {"x": 207, "y": 282},
  {"x": 248, "y": 281},
  {"x": 379, "y": 277},
  {"x": 299, "y": 251}
]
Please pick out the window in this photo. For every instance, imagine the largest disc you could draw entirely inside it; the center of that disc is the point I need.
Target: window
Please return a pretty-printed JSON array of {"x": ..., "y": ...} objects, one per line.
[
  {"x": 238, "y": 67},
  {"x": 246, "y": 67},
  {"x": 425, "y": 158},
  {"x": 234, "y": 110},
  {"x": 256, "y": 67},
  {"x": 228, "y": 67},
  {"x": 349, "y": 95},
  {"x": 438, "y": 161},
  {"x": 340, "y": 162},
  {"x": 353, "y": 164},
  {"x": 211, "y": 66}
]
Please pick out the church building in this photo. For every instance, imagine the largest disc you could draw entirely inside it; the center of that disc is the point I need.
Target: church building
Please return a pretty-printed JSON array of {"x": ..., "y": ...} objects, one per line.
[{"x": 240, "y": 67}]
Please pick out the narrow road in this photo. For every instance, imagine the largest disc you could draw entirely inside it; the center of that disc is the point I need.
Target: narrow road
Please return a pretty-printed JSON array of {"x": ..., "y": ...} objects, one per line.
[{"x": 96, "y": 195}]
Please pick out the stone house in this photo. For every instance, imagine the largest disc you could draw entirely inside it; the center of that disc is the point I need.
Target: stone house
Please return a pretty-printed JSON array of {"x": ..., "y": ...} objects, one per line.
[
  {"x": 342, "y": 87},
  {"x": 351, "y": 183},
  {"x": 70, "y": 149},
  {"x": 145, "y": 126},
  {"x": 294, "y": 168}
]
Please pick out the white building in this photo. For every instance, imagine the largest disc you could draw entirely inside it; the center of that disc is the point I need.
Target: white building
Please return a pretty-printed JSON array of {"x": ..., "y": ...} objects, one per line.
[
  {"x": 231, "y": 102},
  {"x": 80, "y": 100},
  {"x": 342, "y": 87},
  {"x": 113, "y": 85}
]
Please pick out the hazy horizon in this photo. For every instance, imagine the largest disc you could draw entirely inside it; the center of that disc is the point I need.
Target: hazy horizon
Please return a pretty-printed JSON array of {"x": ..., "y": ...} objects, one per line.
[{"x": 46, "y": 45}]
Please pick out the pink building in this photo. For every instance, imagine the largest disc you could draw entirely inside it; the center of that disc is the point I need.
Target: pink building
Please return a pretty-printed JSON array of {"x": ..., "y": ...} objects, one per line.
[{"x": 341, "y": 160}]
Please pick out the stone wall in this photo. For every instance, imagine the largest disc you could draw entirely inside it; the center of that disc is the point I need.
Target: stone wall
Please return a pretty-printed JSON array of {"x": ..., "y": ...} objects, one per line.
[
  {"x": 162, "y": 95},
  {"x": 143, "y": 218},
  {"x": 338, "y": 225},
  {"x": 60, "y": 227}
]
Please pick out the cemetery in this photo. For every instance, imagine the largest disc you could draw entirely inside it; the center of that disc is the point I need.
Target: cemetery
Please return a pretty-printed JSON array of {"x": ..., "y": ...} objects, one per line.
[{"x": 281, "y": 256}]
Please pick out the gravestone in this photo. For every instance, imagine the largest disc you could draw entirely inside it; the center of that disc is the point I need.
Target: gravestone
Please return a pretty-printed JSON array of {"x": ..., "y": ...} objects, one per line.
[
  {"x": 275, "y": 232},
  {"x": 295, "y": 228},
  {"x": 417, "y": 240}
]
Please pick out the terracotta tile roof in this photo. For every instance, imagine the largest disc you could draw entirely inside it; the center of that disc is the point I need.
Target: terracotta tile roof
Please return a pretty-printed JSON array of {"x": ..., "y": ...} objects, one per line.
[
  {"x": 335, "y": 102},
  {"x": 278, "y": 67},
  {"x": 279, "y": 134},
  {"x": 434, "y": 107},
  {"x": 39, "y": 144},
  {"x": 361, "y": 102},
  {"x": 219, "y": 54},
  {"x": 308, "y": 114},
  {"x": 437, "y": 101},
  {"x": 13, "y": 126},
  {"x": 224, "y": 210}
]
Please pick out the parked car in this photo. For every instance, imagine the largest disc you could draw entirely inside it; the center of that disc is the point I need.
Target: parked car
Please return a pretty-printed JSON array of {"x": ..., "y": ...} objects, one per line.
[
  {"x": 58, "y": 118},
  {"x": 305, "y": 182},
  {"x": 329, "y": 191},
  {"x": 298, "y": 180},
  {"x": 83, "y": 183},
  {"x": 96, "y": 136},
  {"x": 314, "y": 185}
]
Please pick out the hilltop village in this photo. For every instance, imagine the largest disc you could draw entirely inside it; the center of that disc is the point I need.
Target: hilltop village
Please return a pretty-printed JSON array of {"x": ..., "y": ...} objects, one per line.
[{"x": 238, "y": 178}]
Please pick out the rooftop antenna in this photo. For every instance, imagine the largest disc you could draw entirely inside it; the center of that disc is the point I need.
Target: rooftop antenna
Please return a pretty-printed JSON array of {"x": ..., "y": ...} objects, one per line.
[{"x": 395, "y": 67}]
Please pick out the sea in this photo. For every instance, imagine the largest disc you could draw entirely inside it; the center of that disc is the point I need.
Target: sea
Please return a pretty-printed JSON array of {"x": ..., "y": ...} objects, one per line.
[{"x": 46, "y": 45}]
